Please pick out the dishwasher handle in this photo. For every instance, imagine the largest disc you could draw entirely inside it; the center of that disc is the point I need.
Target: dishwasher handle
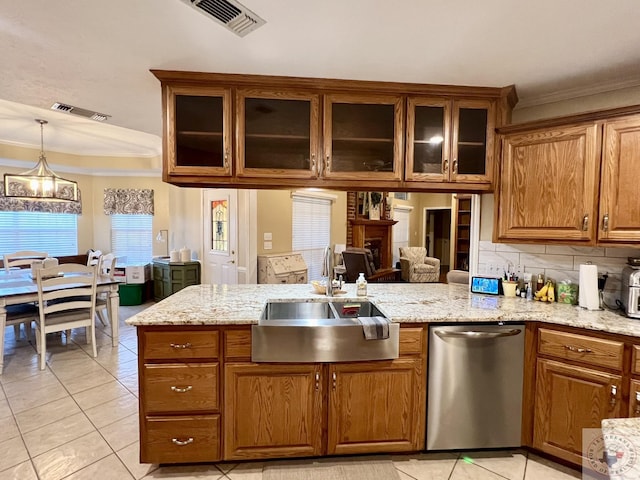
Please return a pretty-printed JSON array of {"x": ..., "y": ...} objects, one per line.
[{"x": 476, "y": 335}]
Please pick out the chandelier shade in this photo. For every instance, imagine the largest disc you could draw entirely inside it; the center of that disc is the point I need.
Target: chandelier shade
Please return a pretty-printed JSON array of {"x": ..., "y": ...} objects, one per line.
[{"x": 40, "y": 183}]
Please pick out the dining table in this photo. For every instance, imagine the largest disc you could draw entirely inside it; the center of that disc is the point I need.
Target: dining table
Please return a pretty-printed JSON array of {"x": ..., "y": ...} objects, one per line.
[{"x": 18, "y": 286}]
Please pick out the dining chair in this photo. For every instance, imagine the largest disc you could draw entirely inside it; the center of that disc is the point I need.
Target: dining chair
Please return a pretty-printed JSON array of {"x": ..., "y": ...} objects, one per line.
[
  {"x": 22, "y": 259},
  {"x": 66, "y": 300},
  {"x": 94, "y": 258},
  {"x": 358, "y": 260},
  {"x": 107, "y": 267}
]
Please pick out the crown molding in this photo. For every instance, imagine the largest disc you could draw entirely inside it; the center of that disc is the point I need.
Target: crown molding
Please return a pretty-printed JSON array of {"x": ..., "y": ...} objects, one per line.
[
  {"x": 151, "y": 152},
  {"x": 92, "y": 172},
  {"x": 571, "y": 93}
]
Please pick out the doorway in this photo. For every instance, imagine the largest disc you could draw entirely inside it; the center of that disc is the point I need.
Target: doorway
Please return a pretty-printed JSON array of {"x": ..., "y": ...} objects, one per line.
[{"x": 437, "y": 239}]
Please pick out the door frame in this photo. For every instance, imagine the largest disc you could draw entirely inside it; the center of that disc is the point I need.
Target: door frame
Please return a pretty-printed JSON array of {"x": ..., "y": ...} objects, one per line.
[{"x": 425, "y": 212}]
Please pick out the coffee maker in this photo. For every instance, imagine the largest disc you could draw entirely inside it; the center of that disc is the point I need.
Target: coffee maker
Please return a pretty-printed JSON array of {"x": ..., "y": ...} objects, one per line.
[{"x": 631, "y": 290}]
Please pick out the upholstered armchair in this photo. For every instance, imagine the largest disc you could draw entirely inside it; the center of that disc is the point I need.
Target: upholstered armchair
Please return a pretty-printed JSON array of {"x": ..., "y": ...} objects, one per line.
[{"x": 417, "y": 267}]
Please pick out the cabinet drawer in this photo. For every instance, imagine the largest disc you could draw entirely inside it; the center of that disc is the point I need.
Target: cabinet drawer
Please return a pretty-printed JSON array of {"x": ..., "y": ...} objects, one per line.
[
  {"x": 182, "y": 439},
  {"x": 411, "y": 342},
  {"x": 181, "y": 387},
  {"x": 571, "y": 346},
  {"x": 237, "y": 344},
  {"x": 180, "y": 345}
]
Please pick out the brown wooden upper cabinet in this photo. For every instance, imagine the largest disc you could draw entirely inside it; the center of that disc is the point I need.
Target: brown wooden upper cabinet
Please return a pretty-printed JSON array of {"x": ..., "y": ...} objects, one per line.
[
  {"x": 619, "y": 219},
  {"x": 571, "y": 183},
  {"x": 363, "y": 137},
  {"x": 449, "y": 140},
  {"x": 277, "y": 133},
  {"x": 198, "y": 131}
]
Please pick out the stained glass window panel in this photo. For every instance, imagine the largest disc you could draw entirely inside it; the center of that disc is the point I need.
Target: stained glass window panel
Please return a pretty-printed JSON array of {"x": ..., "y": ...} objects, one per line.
[{"x": 220, "y": 225}]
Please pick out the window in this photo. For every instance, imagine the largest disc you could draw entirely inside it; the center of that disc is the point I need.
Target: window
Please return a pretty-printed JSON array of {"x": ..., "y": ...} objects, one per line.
[
  {"x": 54, "y": 233},
  {"x": 131, "y": 237},
  {"x": 311, "y": 230}
]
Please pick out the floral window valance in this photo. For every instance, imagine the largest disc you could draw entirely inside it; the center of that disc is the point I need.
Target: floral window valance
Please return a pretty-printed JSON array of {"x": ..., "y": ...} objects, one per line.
[
  {"x": 129, "y": 201},
  {"x": 8, "y": 204}
]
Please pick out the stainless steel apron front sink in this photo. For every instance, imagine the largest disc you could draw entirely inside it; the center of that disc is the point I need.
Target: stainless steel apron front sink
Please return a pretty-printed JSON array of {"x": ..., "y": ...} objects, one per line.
[{"x": 319, "y": 332}]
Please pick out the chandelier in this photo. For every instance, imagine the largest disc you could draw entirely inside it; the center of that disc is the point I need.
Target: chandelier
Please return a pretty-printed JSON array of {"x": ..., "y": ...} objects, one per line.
[{"x": 40, "y": 183}]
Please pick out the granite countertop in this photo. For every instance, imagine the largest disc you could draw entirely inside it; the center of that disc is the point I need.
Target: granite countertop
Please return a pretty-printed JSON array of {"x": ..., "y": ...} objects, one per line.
[
  {"x": 620, "y": 439},
  {"x": 401, "y": 302}
]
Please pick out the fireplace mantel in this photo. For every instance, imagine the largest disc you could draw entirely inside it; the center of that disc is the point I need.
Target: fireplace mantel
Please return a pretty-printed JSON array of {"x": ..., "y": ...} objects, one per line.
[{"x": 367, "y": 231}]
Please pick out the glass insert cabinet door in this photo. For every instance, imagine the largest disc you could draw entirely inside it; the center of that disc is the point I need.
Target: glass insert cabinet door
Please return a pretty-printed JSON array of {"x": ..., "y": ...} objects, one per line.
[
  {"x": 277, "y": 133},
  {"x": 449, "y": 141},
  {"x": 220, "y": 226},
  {"x": 362, "y": 137},
  {"x": 198, "y": 140}
]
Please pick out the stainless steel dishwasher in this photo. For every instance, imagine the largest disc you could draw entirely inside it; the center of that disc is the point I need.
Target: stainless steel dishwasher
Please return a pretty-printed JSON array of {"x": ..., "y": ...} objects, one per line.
[{"x": 475, "y": 386}]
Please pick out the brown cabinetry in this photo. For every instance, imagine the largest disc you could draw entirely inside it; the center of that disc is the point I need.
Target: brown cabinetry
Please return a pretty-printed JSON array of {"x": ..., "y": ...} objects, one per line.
[
  {"x": 363, "y": 137},
  {"x": 579, "y": 382},
  {"x": 179, "y": 403},
  {"x": 450, "y": 140},
  {"x": 373, "y": 405},
  {"x": 306, "y": 132},
  {"x": 197, "y": 139},
  {"x": 571, "y": 182},
  {"x": 277, "y": 133}
]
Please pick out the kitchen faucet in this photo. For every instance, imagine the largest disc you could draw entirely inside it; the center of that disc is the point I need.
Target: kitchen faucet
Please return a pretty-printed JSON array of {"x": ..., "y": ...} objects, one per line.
[{"x": 327, "y": 270}]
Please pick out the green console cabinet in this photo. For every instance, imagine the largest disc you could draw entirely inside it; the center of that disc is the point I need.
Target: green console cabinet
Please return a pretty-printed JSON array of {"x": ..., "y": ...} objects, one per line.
[{"x": 170, "y": 277}]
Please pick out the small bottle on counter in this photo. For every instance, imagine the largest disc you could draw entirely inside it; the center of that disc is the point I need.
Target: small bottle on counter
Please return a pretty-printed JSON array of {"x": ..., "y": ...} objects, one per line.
[
  {"x": 361, "y": 286},
  {"x": 539, "y": 283},
  {"x": 529, "y": 292}
]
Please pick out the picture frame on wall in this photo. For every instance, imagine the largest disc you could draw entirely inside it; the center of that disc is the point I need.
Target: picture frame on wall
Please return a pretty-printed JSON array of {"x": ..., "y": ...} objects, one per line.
[{"x": 401, "y": 195}]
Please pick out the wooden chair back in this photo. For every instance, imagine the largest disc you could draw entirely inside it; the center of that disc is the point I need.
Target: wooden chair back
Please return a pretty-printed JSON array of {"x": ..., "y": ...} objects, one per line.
[{"x": 22, "y": 259}]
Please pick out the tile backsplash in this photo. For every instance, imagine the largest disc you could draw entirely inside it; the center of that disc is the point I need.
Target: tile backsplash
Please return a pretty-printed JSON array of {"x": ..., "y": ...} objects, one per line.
[{"x": 557, "y": 262}]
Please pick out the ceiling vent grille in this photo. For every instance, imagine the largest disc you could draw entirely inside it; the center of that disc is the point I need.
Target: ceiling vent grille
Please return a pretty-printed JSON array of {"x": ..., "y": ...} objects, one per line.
[
  {"x": 82, "y": 112},
  {"x": 229, "y": 13}
]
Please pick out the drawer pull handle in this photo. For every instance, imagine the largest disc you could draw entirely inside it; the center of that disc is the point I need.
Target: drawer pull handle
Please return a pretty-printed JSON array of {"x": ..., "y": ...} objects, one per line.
[
  {"x": 182, "y": 443},
  {"x": 180, "y": 346},
  {"x": 318, "y": 382},
  {"x": 614, "y": 392},
  {"x": 571, "y": 348},
  {"x": 637, "y": 403},
  {"x": 181, "y": 389},
  {"x": 335, "y": 379}
]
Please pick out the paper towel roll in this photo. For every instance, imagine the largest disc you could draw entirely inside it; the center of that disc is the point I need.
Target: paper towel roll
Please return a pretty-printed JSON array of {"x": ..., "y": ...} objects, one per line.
[{"x": 588, "y": 291}]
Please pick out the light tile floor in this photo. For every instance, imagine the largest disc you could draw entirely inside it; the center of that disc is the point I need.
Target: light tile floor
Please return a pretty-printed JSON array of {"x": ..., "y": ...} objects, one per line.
[{"x": 78, "y": 419}]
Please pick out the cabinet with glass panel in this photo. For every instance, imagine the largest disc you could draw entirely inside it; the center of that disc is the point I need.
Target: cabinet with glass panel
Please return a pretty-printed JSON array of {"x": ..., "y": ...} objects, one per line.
[
  {"x": 449, "y": 140},
  {"x": 363, "y": 137},
  {"x": 277, "y": 133},
  {"x": 198, "y": 131}
]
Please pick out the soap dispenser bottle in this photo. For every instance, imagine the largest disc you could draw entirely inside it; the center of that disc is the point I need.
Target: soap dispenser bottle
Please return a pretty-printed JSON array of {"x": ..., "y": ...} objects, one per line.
[{"x": 361, "y": 286}]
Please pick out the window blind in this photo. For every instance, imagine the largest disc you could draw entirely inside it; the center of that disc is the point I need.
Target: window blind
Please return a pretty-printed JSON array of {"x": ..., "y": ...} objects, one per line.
[
  {"x": 54, "y": 233},
  {"x": 132, "y": 237},
  {"x": 311, "y": 231}
]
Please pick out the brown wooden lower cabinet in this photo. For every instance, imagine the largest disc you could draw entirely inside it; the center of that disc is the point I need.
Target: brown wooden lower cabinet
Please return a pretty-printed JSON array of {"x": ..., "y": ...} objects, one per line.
[
  {"x": 272, "y": 410},
  {"x": 634, "y": 399},
  {"x": 376, "y": 407},
  {"x": 569, "y": 398},
  {"x": 181, "y": 439}
]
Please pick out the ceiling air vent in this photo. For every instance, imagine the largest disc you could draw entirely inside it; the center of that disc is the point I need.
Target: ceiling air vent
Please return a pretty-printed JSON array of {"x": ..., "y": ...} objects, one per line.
[
  {"x": 82, "y": 112},
  {"x": 229, "y": 13}
]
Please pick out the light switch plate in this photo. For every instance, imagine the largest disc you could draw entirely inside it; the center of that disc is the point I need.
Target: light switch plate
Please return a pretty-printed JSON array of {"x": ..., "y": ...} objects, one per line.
[
  {"x": 268, "y": 245},
  {"x": 267, "y": 236}
]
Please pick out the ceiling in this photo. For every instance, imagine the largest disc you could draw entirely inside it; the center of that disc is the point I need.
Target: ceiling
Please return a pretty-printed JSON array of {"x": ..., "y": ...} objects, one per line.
[{"x": 97, "y": 55}]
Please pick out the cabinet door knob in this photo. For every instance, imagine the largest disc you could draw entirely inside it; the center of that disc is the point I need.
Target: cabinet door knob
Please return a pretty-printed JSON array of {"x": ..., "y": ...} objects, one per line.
[
  {"x": 182, "y": 443},
  {"x": 445, "y": 167},
  {"x": 585, "y": 223},
  {"x": 637, "y": 411},
  {"x": 455, "y": 165},
  {"x": 605, "y": 222},
  {"x": 226, "y": 158},
  {"x": 313, "y": 162},
  {"x": 614, "y": 392},
  {"x": 335, "y": 379},
  {"x": 317, "y": 381},
  {"x": 181, "y": 389},
  {"x": 327, "y": 167}
]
